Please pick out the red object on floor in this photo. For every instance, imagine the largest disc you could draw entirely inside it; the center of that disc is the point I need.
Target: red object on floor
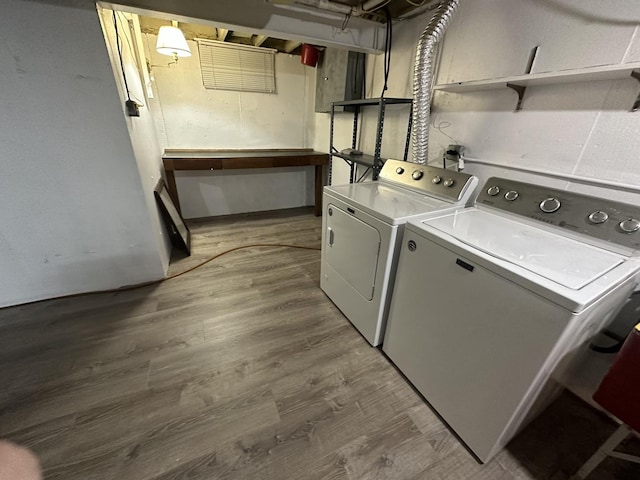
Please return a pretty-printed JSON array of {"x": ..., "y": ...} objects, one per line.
[
  {"x": 309, "y": 55},
  {"x": 619, "y": 391}
]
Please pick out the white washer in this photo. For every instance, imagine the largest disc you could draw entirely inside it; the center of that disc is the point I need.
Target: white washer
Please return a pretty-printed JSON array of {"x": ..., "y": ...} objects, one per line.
[
  {"x": 362, "y": 225},
  {"x": 490, "y": 301}
]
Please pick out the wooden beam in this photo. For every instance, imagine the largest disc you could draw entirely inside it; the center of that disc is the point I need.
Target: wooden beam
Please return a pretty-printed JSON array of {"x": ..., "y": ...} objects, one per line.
[
  {"x": 222, "y": 33},
  {"x": 291, "y": 45},
  {"x": 259, "y": 40}
]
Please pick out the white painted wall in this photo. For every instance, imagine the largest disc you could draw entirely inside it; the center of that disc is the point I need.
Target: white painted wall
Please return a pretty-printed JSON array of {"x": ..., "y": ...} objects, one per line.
[
  {"x": 142, "y": 131},
  {"x": 189, "y": 116},
  {"x": 74, "y": 216},
  {"x": 583, "y": 129}
]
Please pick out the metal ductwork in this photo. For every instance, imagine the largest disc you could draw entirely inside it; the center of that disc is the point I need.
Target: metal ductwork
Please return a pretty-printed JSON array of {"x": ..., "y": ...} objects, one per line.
[{"x": 423, "y": 78}]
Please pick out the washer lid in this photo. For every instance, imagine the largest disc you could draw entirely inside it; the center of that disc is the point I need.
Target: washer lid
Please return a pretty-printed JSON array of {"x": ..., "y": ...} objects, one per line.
[
  {"x": 563, "y": 260},
  {"x": 391, "y": 204}
]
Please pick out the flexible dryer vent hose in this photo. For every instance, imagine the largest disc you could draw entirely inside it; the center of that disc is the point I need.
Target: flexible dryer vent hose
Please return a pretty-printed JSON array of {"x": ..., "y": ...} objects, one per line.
[{"x": 423, "y": 78}]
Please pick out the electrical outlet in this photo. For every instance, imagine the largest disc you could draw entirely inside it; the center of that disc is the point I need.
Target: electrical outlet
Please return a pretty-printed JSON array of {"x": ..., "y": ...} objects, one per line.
[{"x": 132, "y": 108}]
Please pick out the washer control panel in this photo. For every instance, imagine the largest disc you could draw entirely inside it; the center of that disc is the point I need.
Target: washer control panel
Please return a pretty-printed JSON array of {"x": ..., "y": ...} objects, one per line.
[
  {"x": 597, "y": 217},
  {"x": 427, "y": 179}
]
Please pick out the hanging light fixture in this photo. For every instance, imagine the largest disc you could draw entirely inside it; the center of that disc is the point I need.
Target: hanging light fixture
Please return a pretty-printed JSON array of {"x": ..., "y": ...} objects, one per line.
[{"x": 171, "y": 42}]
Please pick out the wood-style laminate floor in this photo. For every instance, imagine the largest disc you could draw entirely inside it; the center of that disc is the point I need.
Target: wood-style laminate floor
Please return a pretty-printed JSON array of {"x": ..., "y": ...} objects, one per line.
[{"x": 242, "y": 369}]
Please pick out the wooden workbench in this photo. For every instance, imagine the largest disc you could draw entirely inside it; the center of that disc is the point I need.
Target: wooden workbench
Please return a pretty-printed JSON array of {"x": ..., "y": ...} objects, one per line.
[{"x": 241, "y": 159}]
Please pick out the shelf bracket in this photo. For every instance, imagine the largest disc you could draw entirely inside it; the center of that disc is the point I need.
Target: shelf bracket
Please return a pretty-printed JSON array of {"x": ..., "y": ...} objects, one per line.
[
  {"x": 636, "y": 105},
  {"x": 519, "y": 89}
]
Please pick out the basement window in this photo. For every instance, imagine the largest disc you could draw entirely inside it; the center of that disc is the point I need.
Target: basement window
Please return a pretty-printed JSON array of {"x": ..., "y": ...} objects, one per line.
[{"x": 227, "y": 66}]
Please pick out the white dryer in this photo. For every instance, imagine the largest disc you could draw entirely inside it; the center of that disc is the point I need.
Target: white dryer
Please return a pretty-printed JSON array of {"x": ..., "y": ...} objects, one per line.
[
  {"x": 490, "y": 301},
  {"x": 362, "y": 225}
]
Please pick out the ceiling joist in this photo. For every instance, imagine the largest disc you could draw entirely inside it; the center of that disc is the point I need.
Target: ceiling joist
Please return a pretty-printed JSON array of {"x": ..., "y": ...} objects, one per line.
[
  {"x": 222, "y": 34},
  {"x": 291, "y": 45},
  {"x": 258, "y": 40}
]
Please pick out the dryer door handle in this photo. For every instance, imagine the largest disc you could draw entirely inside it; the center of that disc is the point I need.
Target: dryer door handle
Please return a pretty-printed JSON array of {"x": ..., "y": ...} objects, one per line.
[{"x": 331, "y": 236}]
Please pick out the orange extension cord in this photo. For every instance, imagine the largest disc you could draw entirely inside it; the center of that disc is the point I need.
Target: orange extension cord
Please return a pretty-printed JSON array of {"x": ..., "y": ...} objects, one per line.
[{"x": 171, "y": 277}]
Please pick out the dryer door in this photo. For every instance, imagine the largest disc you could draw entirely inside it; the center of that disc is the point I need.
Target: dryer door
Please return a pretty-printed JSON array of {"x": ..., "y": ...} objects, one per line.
[{"x": 352, "y": 248}]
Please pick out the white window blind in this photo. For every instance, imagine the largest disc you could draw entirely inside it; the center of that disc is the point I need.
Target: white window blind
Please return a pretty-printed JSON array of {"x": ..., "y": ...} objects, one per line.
[{"x": 228, "y": 66}]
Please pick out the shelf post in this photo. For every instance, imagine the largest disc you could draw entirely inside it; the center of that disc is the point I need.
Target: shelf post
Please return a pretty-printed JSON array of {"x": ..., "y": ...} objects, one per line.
[
  {"x": 354, "y": 133},
  {"x": 409, "y": 125},
  {"x": 636, "y": 105},
  {"x": 354, "y": 143},
  {"x": 376, "y": 167},
  {"x": 333, "y": 110}
]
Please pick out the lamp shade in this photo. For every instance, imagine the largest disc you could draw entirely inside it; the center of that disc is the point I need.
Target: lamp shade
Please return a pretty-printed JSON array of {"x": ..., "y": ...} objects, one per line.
[{"x": 171, "y": 42}]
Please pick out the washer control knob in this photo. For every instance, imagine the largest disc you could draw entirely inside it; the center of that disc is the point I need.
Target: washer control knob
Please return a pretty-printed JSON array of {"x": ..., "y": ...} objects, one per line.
[
  {"x": 493, "y": 191},
  {"x": 511, "y": 195},
  {"x": 449, "y": 182},
  {"x": 417, "y": 174},
  {"x": 399, "y": 170},
  {"x": 436, "y": 180},
  {"x": 598, "y": 217},
  {"x": 630, "y": 225},
  {"x": 550, "y": 205}
]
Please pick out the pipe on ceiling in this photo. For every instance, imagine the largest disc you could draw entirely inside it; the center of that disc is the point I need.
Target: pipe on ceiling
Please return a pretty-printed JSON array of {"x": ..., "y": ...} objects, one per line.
[
  {"x": 371, "y": 5},
  {"x": 423, "y": 78},
  {"x": 327, "y": 5}
]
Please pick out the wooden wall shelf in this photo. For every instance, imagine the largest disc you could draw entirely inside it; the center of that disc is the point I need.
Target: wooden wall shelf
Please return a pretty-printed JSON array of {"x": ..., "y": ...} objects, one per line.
[{"x": 519, "y": 83}]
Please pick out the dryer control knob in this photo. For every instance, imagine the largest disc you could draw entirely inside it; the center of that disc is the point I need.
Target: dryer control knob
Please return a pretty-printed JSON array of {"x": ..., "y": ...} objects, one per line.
[
  {"x": 511, "y": 195},
  {"x": 399, "y": 170},
  {"x": 493, "y": 191},
  {"x": 630, "y": 226},
  {"x": 436, "y": 180},
  {"x": 417, "y": 174},
  {"x": 550, "y": 205},
  {"x": 598, "y": 217},
  {"x": 449, "y": 182}
]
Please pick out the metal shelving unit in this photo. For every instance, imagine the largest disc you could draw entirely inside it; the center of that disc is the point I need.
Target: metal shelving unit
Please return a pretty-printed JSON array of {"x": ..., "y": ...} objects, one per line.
[{"x": 372, "y": 161}]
